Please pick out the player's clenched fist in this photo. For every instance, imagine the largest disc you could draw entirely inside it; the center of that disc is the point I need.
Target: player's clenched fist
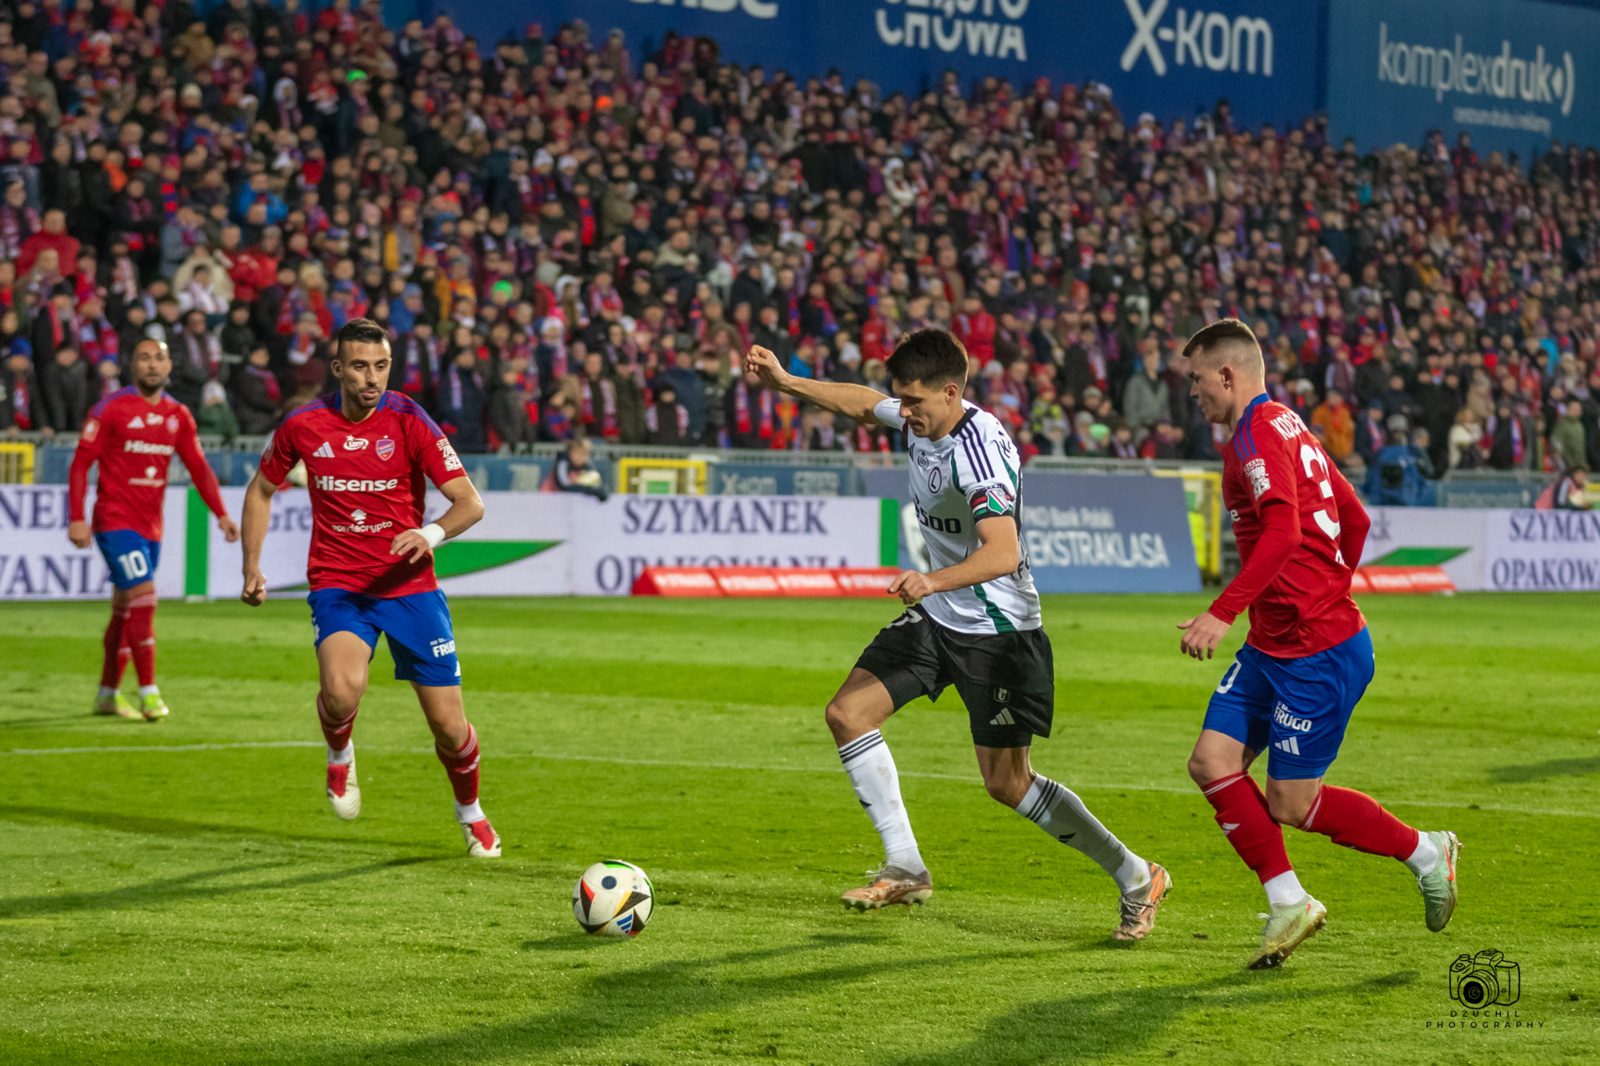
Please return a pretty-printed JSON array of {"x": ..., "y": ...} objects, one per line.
[
  {"x": 764, "y": 365},
  {"x": 255, "y": 589}
]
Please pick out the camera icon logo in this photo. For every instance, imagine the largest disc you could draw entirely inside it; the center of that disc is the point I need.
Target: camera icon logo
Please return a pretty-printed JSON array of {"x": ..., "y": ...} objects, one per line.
[{"x": 1487, "y": 979}]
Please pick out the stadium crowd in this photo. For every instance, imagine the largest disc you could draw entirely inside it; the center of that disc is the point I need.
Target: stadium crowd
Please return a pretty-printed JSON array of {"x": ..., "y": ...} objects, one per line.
[{"x": 565, "y": 242}]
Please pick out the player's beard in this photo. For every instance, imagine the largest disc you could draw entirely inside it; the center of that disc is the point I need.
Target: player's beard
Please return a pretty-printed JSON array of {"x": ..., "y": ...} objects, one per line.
[{"x": 147, "y": 390}]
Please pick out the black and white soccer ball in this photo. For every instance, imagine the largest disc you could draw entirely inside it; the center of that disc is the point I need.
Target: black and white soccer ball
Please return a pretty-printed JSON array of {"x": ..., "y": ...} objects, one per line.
[{"x": 613, "y": 898}]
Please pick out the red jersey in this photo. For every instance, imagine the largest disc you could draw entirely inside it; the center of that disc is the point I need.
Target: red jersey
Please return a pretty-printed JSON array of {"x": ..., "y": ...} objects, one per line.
[
  {"x": 1307, "y": 607},
  {"x": 133, "y": 440},
  {"x": 366, "y": 484}
]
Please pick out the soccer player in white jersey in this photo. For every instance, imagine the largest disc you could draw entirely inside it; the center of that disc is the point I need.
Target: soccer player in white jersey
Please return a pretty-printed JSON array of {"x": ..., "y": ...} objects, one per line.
[{"x": 972, "y": 622}]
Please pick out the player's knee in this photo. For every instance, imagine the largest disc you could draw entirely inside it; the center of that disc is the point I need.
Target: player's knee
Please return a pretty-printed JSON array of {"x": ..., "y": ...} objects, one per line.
[
  {"x": 1008, "y": 789},
  {"x": 1204, "y": 769},
  {"x": 1288, "y": 808},
  {"x": 841, "y": 723},
  {"x": 340, "y": 698}
]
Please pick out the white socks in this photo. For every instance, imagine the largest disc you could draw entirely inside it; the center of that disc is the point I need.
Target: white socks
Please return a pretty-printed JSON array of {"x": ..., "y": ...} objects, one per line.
[
  {"x": 342, "y": 758},
  {"x": 1058, "y": 811},
  {"x": 1283, "y": 890},
  {"x": 106, "y": 693},
  {"x": 470, "y": 813},
  {"x": 149, "y": 690},
  {"x": 877, "y": 784},
  {"x": 1425, "y": 858}
]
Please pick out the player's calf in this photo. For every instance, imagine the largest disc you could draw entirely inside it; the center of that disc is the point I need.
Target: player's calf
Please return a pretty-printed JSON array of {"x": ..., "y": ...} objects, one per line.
[
  {"x": 461, "y": 766},
  {"x": 344, "y": 792}
]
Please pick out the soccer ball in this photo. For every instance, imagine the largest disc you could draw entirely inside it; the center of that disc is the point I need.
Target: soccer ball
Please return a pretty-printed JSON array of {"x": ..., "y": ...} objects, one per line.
[{"x": 613, "y": 898}]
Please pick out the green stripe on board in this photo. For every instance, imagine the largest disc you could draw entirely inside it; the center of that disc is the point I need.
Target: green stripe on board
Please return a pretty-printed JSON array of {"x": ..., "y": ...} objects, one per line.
[
  {"x": 888, "y": 532},
  {"x": 196, "y": 545},
  {"x": 1417, "y": 557}
]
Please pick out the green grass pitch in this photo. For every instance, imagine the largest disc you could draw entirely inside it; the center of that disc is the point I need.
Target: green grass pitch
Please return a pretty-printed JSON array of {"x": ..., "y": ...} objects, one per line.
[{"x": 181, "y": 893}]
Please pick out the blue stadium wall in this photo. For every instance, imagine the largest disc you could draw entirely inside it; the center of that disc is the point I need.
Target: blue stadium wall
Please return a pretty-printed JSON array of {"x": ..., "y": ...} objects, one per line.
[{"x": 1513, "y": 73}]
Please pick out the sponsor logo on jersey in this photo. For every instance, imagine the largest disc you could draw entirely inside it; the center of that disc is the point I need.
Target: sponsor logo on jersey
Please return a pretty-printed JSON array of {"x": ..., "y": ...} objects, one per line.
[
  {"x": 355, "y": 444},
  {"x": 91, "y": 429},
  {"x": 152, "y": 476},
  {"x": 1283, "y": 717},
  {"x": 324, "y": 452},
  {"x": 442, "y": 646},
  {"x": 452, "y": 461},
  {"x": 358, "y": 524},
  {"x": 153, "y": 419},
  {"x": 1256, "y": 471},
  {"x": 385, "y": 447},
  {"x": 1288, "y": 425},
  {"x": 145, "y": 447},
  {"x": 353, "y": 484}
]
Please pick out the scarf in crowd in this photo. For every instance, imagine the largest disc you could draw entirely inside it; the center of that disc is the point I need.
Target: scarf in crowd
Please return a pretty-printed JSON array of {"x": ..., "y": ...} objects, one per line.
[
  {"x": 269, "y": 382},
  {"x": 741, "y": 410},
  {"x": 652, "y": 418},
  {"x": 830, "y": 325},
  {"x": 455, "y": 377},
  {"x": 97, "y": 341},
  {"x": 1493, "y": 425},
  {"x": 301, "y": 349},
  {"x": 138, "y": 211},
  {"x": 794, "y": 315},
  {"x": 202, "y": 353},
  {"x": 585, "y": 221},
  {"x": 1375, "y": 434},
  {"x": 13, "y": 222},
  {"x": 60, "y": 327},
  {"x": 169, "y": 204},
  {"x": 419, "y": 356},
  {"x": 608, "y": 406}
]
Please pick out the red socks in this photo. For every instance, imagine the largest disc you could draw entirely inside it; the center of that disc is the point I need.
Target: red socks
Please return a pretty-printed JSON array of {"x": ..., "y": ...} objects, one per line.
[
  {"x": 1242, "y": 813},
  {"x": 116, "y": 651},
  {"x": 1358, "y": 821},
  {"x": 139, "y": 633},
  {"x": 336, "y": 731},
  {"x": 462, "y": 767}
]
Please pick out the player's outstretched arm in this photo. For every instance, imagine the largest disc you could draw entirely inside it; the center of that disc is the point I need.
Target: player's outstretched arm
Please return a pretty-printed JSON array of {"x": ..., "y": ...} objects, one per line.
[
  {"x": 854, "y": 402},
  {"x": 998, "y": 554},
  {"x": 256, "y": 515},
  {"x": 466, "y": 510}
]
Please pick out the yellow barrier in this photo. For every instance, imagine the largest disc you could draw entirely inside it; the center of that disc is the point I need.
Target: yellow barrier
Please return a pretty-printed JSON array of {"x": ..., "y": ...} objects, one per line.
[
  {"x": 1202, "y": 490},
  {"x": 16, "y": 463},
  {"x": 661, "y": 477}
]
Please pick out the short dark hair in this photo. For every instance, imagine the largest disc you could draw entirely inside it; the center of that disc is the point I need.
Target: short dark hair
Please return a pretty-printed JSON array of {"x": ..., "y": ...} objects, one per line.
[
  {"x": 1222, "y": 331},
  {"x": 358, "y": 331},
  {"x": 930, "y": 357}
]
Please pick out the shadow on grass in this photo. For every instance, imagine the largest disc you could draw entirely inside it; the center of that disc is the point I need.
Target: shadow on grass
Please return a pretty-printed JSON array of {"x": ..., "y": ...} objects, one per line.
[
  {"x": 150, "y": 825},
  {"x": 1544, "y": 771},
  {"x": 188, "y": 887},
  {"x": 608, "y": 1006},
  {"x": 1120, "y": 1024}
]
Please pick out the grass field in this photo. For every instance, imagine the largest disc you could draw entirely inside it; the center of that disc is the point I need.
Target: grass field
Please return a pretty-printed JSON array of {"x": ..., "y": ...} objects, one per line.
[{"x": 181, "y": 893}]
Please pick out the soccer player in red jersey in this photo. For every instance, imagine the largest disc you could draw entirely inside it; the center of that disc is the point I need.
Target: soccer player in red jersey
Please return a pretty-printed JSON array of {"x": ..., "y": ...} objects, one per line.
[
  {"x": 133, "y": 434},
  {"x": 367, "y": 452},
  {"x": 1308, "y": 658}
]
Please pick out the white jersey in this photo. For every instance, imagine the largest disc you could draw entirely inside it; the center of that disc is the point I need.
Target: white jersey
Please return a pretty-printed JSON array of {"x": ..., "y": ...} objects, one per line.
[{"x": 972, "y": 473}]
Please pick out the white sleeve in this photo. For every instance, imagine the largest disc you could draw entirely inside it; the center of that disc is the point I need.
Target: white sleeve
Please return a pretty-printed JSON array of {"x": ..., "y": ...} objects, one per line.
[{"x": 887, "y": 411}]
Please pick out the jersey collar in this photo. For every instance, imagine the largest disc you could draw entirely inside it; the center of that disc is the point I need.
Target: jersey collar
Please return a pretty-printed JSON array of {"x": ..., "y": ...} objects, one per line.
[{"x": 1244, "y": 442}]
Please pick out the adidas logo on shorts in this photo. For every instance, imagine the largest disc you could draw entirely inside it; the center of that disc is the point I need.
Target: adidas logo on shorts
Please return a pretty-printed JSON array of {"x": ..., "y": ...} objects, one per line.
[
  {"x": 1288, "y": 744},
  {"x": 1003, "y": 718}
]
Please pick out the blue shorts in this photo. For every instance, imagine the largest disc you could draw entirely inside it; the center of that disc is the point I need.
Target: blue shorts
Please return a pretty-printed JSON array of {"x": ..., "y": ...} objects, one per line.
[
  {"x": 421, "y": 639},
  {"x": 132, "y": 559},
  {"x": 1299, "y": 707}
]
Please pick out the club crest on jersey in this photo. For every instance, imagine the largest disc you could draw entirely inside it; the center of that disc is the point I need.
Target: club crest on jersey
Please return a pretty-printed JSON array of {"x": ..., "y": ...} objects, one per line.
[
  {"x": 935, "y": 480},
  {"x": 1256, "y": 471},
  {"x": 385, "y": 447},
  {"x": 355, "y": 444},
  {"x": 172, "y": 423}
]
